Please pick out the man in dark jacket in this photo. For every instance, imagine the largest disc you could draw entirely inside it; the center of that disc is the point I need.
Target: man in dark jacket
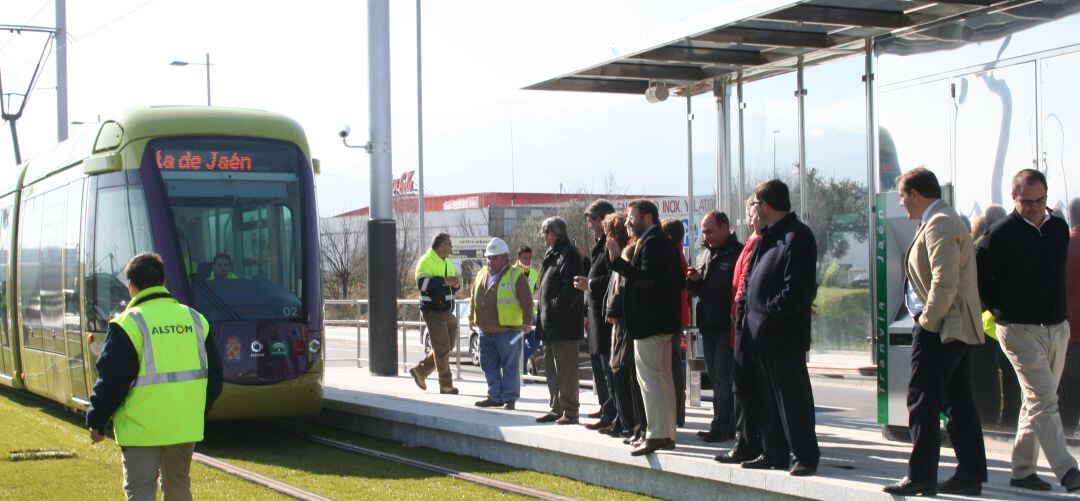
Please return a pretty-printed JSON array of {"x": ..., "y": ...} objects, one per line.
[
  {"x": 780, "y": 288},
  {"x": 595, "y": 287},
  {"x": 157, "y": 412},
  {"x": 1021, "y": 265},
  {"x": 562, "y": 319},
  {"x": 652, "y": 311},
  {"x": 710, "y": 280}
]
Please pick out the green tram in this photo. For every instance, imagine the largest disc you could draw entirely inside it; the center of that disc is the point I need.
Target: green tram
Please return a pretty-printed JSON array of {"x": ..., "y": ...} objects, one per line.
[{"x": 226, "y": 196}]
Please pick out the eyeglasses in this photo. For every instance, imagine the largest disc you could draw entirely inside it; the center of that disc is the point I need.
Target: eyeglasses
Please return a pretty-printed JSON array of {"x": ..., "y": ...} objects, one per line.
[{"x": 1032, "y": 203}]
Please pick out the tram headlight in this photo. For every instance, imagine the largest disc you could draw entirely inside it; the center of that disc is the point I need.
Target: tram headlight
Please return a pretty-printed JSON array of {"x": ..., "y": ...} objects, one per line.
[{"x": 314, "y": 345}]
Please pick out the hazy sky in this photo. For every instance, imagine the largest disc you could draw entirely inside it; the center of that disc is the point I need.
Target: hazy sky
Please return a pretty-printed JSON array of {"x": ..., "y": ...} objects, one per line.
[{"x": 309, "y": 61}]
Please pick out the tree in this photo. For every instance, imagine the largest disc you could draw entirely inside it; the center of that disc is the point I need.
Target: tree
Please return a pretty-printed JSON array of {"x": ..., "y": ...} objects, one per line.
[
  {"x": 407, "y": 250},
  {"x": 343, "y": 245}
]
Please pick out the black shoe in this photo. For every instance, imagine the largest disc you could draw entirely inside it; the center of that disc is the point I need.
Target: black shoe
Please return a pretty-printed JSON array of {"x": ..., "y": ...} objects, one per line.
[
  {"x": 601, "y": 424},
  {"x": 961, "y": 487},
  {"x": 596, "y": 415},
  {"x": 763, "y": 463},
  {"x": 803, "y": 469},
  {"x": 550, "y": 417},
  {"x": 733, "y": 458},
  {"x": 509, "y": 406},
  {"x": 418, "y": 379},
  {"x": 907, "y": 487},
  {"x": 613, "y": 432},
  {"x": 487, "y": 402},
  {"x": 650, "y": 446},
  {"x": 1032, "y": 482},
  {"x": 1071, "y": 480},
  {"x": 710, "y": 437}
]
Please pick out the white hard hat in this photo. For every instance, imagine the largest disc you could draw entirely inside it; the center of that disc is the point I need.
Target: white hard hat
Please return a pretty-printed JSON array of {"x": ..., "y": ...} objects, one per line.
[{"x": 496, "y": 247}]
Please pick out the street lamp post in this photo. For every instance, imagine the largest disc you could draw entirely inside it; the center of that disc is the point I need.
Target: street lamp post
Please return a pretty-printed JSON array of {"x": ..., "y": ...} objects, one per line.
[{"x": 207, "y": 65}]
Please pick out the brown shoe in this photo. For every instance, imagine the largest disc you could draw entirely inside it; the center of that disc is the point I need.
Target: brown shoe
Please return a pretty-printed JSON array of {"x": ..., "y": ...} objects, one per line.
[
  {"x": 448, "y": 390},
  {"x": 550, "y": 417},
  {"x": 418, "y": 378},
  {"x": 652, "y": 445},
  {"x": 567, "y": 420},
  {"x": 596, "y": 415},
  {"x": 598, "y": 425}
]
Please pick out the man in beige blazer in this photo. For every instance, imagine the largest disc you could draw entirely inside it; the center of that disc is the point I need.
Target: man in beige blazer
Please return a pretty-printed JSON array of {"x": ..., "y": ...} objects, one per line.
[{"x": 941, "y": 293}]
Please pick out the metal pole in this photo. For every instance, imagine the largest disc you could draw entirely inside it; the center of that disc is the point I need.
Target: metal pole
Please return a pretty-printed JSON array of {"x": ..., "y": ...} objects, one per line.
[
  {"x": 61, "y": 71},
  {"x": 359, "y": 330},
  {"x": 689, "y": 173},
  {"x": 15, "y": 141},
  {"x": 721, "y": 91},
  {"x": 687, "y": 376},
  {"x": 872, "y": 160},
  {"x": 800, "y": 93},
  {"x": 208, "y": 79},
  {"x": 382, "y": 231},
  {"x": 420, "y": 208},
  {"x": 742, "y": 153}
]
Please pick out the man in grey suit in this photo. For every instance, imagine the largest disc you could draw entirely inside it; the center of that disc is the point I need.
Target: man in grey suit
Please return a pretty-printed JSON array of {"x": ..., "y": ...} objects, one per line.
[{"x": 941, "y": 293}]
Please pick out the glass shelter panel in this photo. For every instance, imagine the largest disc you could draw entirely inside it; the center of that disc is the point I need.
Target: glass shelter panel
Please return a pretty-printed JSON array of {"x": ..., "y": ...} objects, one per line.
[
  {"x": 837, "y": 205},
  {"x": 771, "y": 135},
  {"x": 995, "y": 135},
  {"x": 1060, "y": 159}
]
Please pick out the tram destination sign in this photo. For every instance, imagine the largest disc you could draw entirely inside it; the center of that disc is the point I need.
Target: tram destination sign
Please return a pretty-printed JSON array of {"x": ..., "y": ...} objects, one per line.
[{"x": 220, "y": 156}]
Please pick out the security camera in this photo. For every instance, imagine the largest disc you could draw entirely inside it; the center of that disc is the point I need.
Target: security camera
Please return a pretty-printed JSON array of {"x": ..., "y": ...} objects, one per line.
[{"x": 344, "y": 132}]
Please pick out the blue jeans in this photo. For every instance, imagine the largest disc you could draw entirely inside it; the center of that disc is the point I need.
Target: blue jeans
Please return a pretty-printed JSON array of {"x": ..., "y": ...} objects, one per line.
[{"x": 499, "y": 359}]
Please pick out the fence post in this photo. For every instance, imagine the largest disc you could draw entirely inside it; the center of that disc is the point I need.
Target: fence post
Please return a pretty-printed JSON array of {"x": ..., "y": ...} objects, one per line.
[{"x": 359, "y": 331}]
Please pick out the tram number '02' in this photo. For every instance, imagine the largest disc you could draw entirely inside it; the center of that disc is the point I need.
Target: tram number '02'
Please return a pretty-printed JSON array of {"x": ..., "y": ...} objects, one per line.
[
  {"x": 290, "y": 311},
  {"x": 219, "y": 161}
]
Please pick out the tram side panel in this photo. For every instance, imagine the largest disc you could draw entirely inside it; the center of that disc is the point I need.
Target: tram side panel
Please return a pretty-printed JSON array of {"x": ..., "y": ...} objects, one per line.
[
  {"x": 48, "y": 299},
  {"x": 9, "y": 340}
]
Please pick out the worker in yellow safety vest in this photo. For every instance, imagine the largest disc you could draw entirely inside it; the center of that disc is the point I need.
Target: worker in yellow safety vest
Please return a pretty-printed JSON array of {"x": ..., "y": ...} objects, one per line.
[
  {"x": 158, "y": 375},
  {"x": 502, "y": 310},
  {"x": 524, "y": 263},
  {"x": 437, "y": 281}
]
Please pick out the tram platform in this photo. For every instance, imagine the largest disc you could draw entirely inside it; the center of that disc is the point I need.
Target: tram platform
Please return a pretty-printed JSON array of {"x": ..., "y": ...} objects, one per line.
[{"x": 856, "y": 461}]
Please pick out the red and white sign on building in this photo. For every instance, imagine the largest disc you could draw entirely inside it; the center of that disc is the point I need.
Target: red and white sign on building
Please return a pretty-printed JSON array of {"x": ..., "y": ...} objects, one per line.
[{"x": 404, "y": 185}]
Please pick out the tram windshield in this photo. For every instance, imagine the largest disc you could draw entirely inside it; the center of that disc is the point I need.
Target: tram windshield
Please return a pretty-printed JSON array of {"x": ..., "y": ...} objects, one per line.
[{"x": 236, "y": 211}]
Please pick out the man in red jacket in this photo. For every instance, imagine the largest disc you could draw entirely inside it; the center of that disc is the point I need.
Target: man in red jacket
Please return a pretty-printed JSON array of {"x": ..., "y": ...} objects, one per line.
[{"x": 1069, "y": 388}]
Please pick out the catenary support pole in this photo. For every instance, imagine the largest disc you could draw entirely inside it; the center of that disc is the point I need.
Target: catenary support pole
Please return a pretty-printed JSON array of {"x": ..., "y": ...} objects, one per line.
[
  {"x": 61, "y": 71},
  {"x": 382, "y": 231}
]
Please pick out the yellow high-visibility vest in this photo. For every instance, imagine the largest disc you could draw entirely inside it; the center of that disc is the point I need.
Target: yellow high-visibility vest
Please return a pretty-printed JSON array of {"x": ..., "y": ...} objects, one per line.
[
  {"x": 167, "y": 403},
  {"x": 506, "y": 300}
]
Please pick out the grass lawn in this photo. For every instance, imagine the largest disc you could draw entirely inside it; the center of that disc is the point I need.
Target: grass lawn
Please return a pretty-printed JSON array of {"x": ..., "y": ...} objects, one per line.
[
  {"x": 272, "y": 449},
  {"x": 95, "y": 473}
]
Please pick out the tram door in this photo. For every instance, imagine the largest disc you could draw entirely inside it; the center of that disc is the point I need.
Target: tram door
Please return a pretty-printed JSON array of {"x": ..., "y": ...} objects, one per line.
[
  {"x": 76, "y": 353},
  {"x": 7, "y": 361}
]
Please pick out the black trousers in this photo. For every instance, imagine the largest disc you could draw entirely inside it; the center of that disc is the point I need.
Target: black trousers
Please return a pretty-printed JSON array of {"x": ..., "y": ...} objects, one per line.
[
  {"x": 940, "y": 384},
  {"x": 628, "y": 402},
  {"x": 678, "y": 374},
  {"x": 786, "y": 402},
  {"x": 602, "y": 381},
  {"x": 718, "y": 360},
  {"x": 1069, "y": 389},
  {"x": 986, "y": 383}
]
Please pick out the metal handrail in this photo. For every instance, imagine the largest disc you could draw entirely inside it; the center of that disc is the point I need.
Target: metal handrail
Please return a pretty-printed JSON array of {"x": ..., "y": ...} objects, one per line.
[
  {"x": 692, "y": 333},
  {"x": 361, "y": 322}
]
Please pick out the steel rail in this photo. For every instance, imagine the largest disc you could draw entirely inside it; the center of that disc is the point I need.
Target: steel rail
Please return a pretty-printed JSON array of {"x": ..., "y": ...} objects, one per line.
[
  {"x": 255, "y": 478},
  {"x": 493, "y": 483}
]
